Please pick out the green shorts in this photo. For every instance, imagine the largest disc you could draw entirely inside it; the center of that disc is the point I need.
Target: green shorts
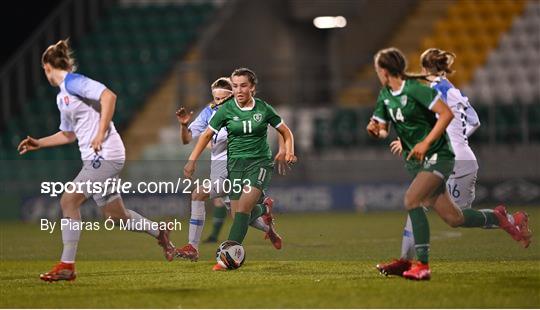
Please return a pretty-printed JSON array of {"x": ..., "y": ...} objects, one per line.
[
  {"x": 247, "y": 173},
  {"x": 440, "y": 163}
]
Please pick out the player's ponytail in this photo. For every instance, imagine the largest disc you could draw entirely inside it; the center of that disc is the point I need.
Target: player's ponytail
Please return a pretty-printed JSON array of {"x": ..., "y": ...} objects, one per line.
[
  {"x": 392, "y": 60},
  {"x": 59, "y": 56},
  {"x": 437, "y": 62}
]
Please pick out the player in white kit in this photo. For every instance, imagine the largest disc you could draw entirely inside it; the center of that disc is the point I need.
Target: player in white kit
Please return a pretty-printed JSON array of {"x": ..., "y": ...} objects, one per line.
[
  {"x": 221, "y": 90},
  {"x": 461, "y": 184},
  {"x": 86, "y": 110}
]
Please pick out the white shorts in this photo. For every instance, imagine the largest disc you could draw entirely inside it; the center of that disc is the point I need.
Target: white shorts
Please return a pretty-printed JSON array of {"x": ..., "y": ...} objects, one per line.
[
  {"x": 98, "y": 171},
  {"x": 462, "y": 189},
  {"x": 218, "y": 177}
]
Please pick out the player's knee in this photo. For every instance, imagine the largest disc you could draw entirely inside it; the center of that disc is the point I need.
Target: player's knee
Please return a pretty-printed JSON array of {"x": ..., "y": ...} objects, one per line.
[
  {"x": 68, "y": 202},
  {"x": 454, "y": 220},
  {"x": 410, "y": 202},
  {"x": 199, "y": 195}
]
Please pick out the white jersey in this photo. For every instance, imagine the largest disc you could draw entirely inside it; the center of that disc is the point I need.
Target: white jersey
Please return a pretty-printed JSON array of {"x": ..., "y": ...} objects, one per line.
[
  {"x": 78, "y": 102},
  {"x": 465, "y": 121},
  {"x": 219, "y": 141}
]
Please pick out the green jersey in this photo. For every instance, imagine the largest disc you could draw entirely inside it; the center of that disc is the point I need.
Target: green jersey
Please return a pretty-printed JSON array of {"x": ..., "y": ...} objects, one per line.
[
  {"x": 409, "y": 109},
  {"x": 246, "y": 128}
]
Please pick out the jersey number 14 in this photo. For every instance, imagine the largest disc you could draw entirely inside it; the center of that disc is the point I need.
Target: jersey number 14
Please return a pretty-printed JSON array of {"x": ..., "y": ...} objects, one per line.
[{"x": 398, "y": 116}]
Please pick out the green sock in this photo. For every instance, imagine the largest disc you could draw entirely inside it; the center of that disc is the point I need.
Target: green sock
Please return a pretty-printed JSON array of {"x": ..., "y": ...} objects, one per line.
[
  {"x": 420, "y": 227},
  {"x": 239, "y": 227},
  {"x": 219, "y": 217},
  {"x": 479, "y": 218},
  {"x": 257, "y": 211}
]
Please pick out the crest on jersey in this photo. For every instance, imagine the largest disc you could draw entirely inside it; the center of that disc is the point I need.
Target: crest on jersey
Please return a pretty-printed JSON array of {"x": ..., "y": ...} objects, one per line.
[
  {"x": 66, "y": 100},
  {"x": 257, "y": 117},
  {"x": 386, "y": 102},
  {"x": 403, "y": 100}
]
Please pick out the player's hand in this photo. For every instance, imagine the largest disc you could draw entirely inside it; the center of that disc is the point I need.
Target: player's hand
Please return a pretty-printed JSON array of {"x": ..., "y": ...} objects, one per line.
[
  {"x": 183, "y": 116},
  {"x": 290, "y": 158},
  {"x": 396, "y": 147},
  {"x": 419, "y": 151},
  {"x": 189, "y": 169},
  {"x": 373, "y": 128},
  {"x": 97, "y": 141},
  {"x": 28, "y": 144},
  {"x": 281, "y": 163}
]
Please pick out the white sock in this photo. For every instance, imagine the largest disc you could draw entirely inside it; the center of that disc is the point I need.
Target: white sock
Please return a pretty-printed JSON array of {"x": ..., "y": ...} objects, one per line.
[
  {"x": 260, "y": 224},
  {"x": 137, "y": 218},
  {"x": 196, "y": 223},
  {"x": 407, "y": 244},
  {"x": 70, "y": 237}
]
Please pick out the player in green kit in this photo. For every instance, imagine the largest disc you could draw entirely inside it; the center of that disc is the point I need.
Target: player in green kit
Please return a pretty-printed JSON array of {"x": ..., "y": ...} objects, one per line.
[
  {"x": 420, "y": 119},
  {"x": 249, "y": 161}
]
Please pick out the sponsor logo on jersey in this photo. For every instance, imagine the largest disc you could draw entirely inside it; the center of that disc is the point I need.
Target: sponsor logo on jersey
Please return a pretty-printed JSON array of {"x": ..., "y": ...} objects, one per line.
[
  {"x": 257, "y": 117},
  {"x": 235, "y": 118},
  {"x": 66, "y": 100},
  {"x": 386, "y": 101},
  {"x": 403, "y": 100}
]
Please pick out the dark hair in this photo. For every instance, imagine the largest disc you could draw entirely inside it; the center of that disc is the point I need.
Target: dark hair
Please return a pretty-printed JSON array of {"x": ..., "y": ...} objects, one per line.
[
  {"x": 59, "y": 56},
  {"x": 246, "y": 72},
  {"x": 394, "y": 62},
  {"x": 437, "y": 61},
  {"x": 222, "y": 82}
]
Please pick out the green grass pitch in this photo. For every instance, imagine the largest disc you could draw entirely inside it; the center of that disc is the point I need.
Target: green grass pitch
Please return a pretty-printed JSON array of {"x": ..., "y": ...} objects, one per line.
[{"x": 327, "y": 262}]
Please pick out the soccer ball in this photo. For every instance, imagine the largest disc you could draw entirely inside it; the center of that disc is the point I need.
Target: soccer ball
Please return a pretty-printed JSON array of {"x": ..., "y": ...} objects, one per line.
[{"x": 230, "y": 254}]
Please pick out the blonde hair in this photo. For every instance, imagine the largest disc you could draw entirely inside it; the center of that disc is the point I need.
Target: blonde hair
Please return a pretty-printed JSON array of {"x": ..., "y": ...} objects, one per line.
[
  {"x": 437, "y": 61},
  {"x": 222, "y": 83}
]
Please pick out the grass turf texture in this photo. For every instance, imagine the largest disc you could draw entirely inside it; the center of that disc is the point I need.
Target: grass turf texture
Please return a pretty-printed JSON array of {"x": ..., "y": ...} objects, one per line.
[{"x": 327, "y": 262}]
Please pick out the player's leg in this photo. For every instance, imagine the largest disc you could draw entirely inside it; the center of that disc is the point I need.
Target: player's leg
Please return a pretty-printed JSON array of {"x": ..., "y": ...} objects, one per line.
[
  {"x": 196, "y": 225},
  {"x": 71, "y": 233},
  {"x": 462, "y": 190},
  {"x": 424, "y": 186},
  {"x": 242, "y": 212},
  {"x": 451, "y": 214},
  {"x": 263, "y": 220},
  {"x": 218, "y": 218},
  {"x": 113, "y": 207}
]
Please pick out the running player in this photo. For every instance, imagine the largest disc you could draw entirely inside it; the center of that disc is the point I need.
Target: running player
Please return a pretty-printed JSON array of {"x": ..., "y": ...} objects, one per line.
[
  {"x": 221, "y": 90},
  {"x": 249, "y": 158},
  {"x": 86, "y": 110},
  {"x": 436, "y": 65},
  {"x": 412, "y": 108}
]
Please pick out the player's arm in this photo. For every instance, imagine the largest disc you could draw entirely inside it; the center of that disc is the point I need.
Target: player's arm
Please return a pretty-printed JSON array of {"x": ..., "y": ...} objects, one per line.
[
  {"x": 59, "y": 138},
  {"x": 445, "y": 117},
  {"x": 108, "y": 104},
  {"x": 378, "y": 125},
  {"x": 473, "y": 121},
  {"x": 204, "y": 139},
  {"x": 288, "y": 140},
  {"x": 183, "y": 119},
  {"x": 377, "y": 129}
]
